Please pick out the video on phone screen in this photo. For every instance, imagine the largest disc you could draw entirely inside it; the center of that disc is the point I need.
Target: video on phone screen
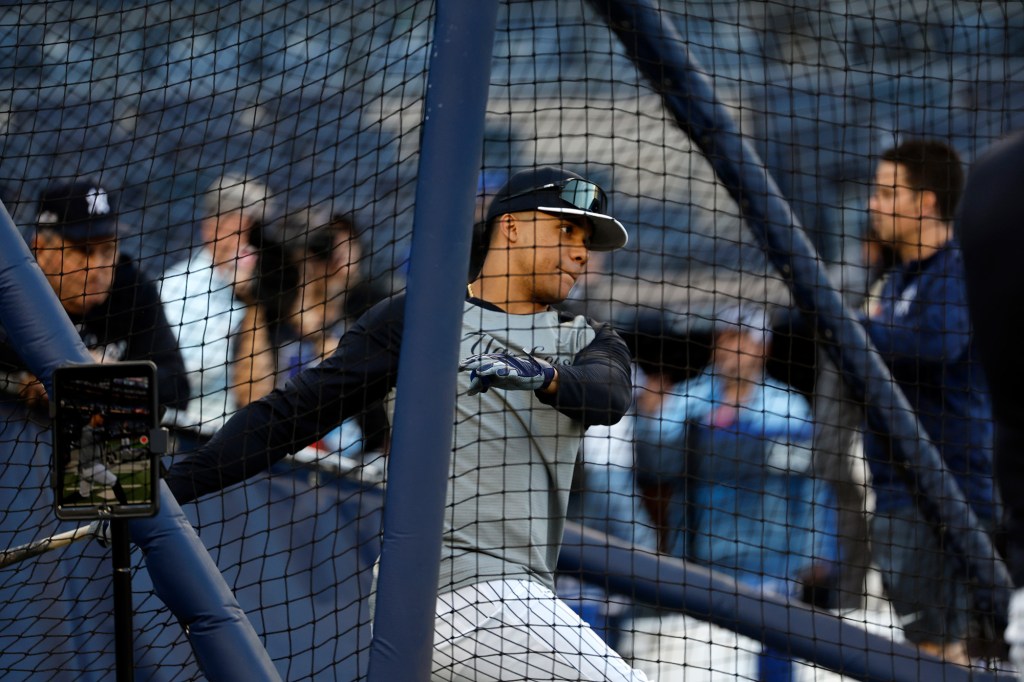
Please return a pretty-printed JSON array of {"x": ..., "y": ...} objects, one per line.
[{"x": 105, "y": 425}]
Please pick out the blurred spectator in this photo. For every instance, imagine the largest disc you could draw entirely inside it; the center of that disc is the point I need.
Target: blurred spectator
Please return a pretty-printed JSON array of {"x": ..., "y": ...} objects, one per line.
[
  {"x": 729, "y": 452},
  {"x": 205, "y": 297},
  {"x": 285, "y": 326},
  {"x": 920, "y": 325},
  {"x": 115, "y": 308},
  {"x": 308, "y": 290},
  {"x": 337, "y": 255},
  {"x": 993, "y": 246}
]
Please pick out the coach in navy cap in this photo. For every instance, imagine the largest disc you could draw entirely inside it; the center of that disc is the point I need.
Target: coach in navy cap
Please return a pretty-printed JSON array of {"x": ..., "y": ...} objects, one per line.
[
  {"x": 75, "y": 243},
  {"x": 115, "y": 308}
]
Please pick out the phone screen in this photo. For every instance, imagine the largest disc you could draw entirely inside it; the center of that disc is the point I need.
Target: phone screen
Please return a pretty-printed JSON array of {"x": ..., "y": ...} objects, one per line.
[{"x": 106, "y": 440}]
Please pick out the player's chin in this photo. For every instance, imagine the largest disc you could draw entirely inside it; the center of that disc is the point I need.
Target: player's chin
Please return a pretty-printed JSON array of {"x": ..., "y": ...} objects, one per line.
[
  {"x": 569, "y": 277},
  {"x": 561, "y": 290},
  {"x": 552, "y": 297},
  {"x": 553, "y": 290}
]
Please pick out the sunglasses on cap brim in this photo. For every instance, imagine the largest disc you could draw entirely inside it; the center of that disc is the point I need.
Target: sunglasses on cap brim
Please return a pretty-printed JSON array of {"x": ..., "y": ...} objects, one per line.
[{"x": 581, "y": 194}]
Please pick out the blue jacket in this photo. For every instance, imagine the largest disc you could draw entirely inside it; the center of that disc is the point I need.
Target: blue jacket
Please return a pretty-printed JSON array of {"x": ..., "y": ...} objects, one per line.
[
  {"x": 743, "y": 497},
  {"x": 921, "y": 326}
]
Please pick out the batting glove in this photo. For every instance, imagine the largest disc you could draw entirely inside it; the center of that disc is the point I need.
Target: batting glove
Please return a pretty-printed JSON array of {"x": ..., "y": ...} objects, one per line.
[
  {"x": 506, "y": 371},
  {"x": 101, "y": 532}
]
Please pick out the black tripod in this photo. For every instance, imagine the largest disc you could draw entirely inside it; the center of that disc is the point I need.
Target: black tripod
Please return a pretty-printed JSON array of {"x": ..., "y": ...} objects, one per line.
[{"x": 124, "y": 639}]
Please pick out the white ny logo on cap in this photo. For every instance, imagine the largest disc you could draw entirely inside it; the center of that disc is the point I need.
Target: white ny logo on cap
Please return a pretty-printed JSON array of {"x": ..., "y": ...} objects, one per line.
[{"x": 97, "y": 200}]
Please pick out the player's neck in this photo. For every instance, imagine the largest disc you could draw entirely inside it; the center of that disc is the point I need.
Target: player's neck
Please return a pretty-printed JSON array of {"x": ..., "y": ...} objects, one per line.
[{"x": 499, "y": 292}]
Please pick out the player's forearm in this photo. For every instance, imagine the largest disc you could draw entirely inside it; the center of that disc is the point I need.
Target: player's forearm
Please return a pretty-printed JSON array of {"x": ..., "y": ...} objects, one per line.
[
  {"x": 592, "y": 394},
  {"x": 254, "y": 439},
  {"x": 287, "y": 420},
  {"x": 597, "y": 387}
]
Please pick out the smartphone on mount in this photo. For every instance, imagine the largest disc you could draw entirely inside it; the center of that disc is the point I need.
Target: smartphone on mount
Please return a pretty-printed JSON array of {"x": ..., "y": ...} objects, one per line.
[{"x": 107, "y": 440}]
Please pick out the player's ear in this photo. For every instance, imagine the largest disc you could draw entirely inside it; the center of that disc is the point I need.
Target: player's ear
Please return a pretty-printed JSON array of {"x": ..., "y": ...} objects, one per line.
[{"x": 509, "y": 227}]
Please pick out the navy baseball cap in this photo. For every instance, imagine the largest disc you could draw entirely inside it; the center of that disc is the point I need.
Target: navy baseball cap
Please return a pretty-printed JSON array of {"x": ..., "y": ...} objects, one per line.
[
  {"x": 557, "y": 191},
  {"x": 80, "y": 211}
]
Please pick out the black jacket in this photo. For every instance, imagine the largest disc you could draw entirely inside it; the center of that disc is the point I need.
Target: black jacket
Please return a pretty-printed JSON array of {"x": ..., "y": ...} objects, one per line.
[{"x": 129, "y": 325}]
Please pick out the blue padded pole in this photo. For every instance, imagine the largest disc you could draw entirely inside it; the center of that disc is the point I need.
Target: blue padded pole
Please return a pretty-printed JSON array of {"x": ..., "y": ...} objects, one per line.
[
  {"x": 660, "y": 53},
  {"x": 816, "y": 636},
  {"x": 450, "y": 153},
  {"x": 183, "y": 574},
  {"x": 190, "y": 584}
]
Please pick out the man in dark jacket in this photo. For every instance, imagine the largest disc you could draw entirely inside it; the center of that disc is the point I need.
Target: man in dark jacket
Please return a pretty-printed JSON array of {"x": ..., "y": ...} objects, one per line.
[
  {"x": 921, "y": 326},
  {"x": 115, "y": 308}
]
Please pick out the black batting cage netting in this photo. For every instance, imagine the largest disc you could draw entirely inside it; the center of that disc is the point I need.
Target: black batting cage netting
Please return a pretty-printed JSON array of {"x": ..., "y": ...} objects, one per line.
[{"x": 228, "y": 189}]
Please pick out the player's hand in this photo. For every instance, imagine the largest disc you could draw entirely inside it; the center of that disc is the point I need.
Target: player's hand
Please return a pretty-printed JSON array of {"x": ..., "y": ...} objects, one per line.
[
  {"x": 101, "y": 532},
  {"x": 507, "y": 371}
]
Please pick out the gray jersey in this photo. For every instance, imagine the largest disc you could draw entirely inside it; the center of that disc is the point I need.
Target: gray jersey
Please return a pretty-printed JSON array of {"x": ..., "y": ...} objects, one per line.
[{"x": 513, "y": 457}]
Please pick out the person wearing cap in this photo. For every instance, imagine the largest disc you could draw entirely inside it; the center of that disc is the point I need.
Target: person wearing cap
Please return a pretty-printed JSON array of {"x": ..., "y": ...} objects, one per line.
[
  {"x": 729, "y": 452},
  {"x": 531, "y": 381},
  {"x": 285, "y": 327},
  {"x": 205, "y": 297},
  {"x": 307, "y": 266},
  {"x": 115, "y": 307}
]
